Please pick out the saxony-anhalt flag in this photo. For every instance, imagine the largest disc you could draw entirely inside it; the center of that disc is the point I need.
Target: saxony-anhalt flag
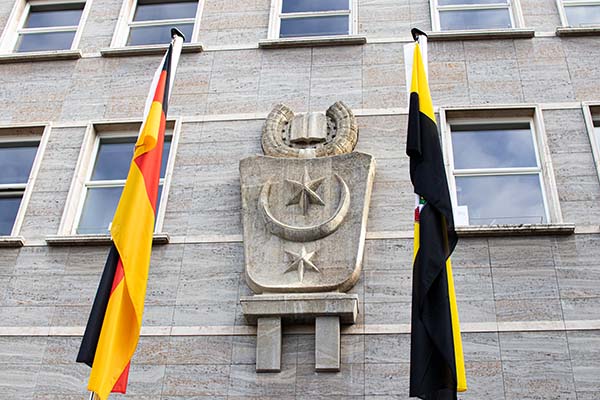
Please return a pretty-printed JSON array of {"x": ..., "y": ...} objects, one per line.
[{"x": 436, "y": 359}]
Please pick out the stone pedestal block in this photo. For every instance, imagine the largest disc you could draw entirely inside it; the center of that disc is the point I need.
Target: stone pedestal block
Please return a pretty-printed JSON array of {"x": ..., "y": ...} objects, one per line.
[
  {"x": 268, "y": 344},
  {"x": 327, "y": 344},
  {"x": 326, "y": 310}
]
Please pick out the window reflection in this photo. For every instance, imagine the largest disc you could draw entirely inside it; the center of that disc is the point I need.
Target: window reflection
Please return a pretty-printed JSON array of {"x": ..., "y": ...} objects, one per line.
[
  {"x": 16, "y": 161},
  {"x": 508, "y": 199},
  {"x": 488, "y": 147},
  {"x": 475, "y": 19}
]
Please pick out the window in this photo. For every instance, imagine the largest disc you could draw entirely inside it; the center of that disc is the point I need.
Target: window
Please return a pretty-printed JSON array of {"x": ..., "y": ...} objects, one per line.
[
  {"x": 149, "y": 22},
  {"x": 496, "y": 172},
  {"x": 592, "y": 121},
  {"x": 580, "y": 13},
  {"x": 101, "y": 175},
  {"x": 105, "y": 184},
  {"x": 451, "y": 15},
  {"x": 40, "y": 25},
  {"x": 16, "y": 163},
  {"x": 300, "y": 18}
]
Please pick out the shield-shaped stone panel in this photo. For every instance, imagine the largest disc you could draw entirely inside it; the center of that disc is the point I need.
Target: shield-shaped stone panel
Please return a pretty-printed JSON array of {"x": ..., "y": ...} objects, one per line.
[{"x": 305, "y": 240}]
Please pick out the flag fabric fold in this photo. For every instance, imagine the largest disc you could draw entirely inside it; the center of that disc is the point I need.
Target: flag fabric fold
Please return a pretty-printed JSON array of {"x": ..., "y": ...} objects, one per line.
[
  {"x": 436, "y": 359},
  {"x": 115, "y": 321}
]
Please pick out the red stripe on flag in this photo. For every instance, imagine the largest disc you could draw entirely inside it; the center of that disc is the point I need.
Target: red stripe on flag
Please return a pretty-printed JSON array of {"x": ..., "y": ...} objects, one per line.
[
  {"x": 159, "y": 94},
  {"x": 121, "y": 384},
  {"x": 149, "y": 164}
]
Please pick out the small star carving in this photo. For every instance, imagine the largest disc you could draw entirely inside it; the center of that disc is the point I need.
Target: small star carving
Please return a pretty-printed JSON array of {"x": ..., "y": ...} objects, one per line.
[
  {"x": 305, "y": 194},
  {"x": 300, "y": 261}
]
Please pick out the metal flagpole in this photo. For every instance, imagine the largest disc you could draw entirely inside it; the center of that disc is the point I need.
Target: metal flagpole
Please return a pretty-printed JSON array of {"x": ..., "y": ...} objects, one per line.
[{"x": 92, "y": 396}]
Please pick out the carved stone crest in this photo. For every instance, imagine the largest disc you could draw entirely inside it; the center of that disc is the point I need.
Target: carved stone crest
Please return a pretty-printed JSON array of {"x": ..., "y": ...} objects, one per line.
[{"x": 304, "y": 210}]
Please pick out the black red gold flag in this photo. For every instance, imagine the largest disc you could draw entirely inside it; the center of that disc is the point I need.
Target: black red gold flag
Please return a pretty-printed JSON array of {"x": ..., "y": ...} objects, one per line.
[
  {"x": 436, "y": 358},
  {"x": 114, "y": 325}
]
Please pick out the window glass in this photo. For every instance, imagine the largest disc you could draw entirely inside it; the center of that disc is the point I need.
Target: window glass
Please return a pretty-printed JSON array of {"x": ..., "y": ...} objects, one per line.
[
  {"x": 158, "y": 11},
  {"x": 315, "y": 26},
  {"x": 492, "y": 148},
  {"x": 470, "y": 2},
  {"x": 9, "y": 206},
  {"x": 503, "y": 199},
  {"x": 40, "y": 17},
  {"x": 583, "y": 15},
  {"x": 475, "y": 19},
  {"x": 98, "y": 209},
  {"x": 597, "y": 131},
  {"x": 157, "y": 34},
  {"x": 291, "y": 6},
  {"x": 45, "y": 41},
  {"x": 16, "y": 162}
]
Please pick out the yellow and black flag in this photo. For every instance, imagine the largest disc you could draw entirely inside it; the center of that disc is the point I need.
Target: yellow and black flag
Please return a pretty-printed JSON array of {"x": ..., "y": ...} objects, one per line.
[
  {"x": 113, "y": 329},
  {"x": 436, "y": 359}
]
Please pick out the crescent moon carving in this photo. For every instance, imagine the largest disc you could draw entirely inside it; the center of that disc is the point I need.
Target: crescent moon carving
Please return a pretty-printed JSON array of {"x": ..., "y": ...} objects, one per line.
[{"x": 304, "y": 233}]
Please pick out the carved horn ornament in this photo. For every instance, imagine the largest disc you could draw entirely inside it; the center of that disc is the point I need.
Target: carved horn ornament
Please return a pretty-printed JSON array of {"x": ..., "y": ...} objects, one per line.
[{"x": 342, "y": 133}]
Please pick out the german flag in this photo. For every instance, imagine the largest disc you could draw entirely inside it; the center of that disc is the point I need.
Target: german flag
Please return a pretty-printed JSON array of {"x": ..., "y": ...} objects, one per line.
[
  {"x": 113, "y": 329},
  {"x": 436, "y": 359}
]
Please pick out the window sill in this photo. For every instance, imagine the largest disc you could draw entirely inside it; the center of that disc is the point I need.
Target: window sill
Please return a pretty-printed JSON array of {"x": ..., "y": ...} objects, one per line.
[
  {"x": 147, "y": 50},
  {"x": 313, "y": 41},
  {"x": 95, "y": 240},
  {"x": 585, "y": 31},
  {"x": 52, "y": 55},
  {"x": 12, "y": 241},
  {"x": 515, "y": 230},
  {"x": 514, "y": 33}
]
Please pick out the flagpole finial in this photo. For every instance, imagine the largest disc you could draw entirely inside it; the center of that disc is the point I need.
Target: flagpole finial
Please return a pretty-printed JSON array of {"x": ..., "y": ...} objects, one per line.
[
  {"x": 416, "y": 33},
  {"x": 177, "y": 32}
]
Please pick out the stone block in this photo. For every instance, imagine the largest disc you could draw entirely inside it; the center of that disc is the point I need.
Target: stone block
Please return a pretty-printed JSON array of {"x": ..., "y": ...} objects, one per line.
[
  {"x": 189, "y": 381},
  {"x": 514, "y": 283},
  {"x": 538, "y": 379},
  {"x": 350, "y": 381},
  {"x": 387, "y": 349},
  {"x": 528, "y": 310},
  {"x": 203, "y": 350},
  {"x": 327, "y": 343},
  {"x": 245, "y": 383},
  {"x": 534, "y": 346},
  {"x": 301, "y": 307},
  {"x": 386, "y": 379},
  {"x": 268, "y": 344}
]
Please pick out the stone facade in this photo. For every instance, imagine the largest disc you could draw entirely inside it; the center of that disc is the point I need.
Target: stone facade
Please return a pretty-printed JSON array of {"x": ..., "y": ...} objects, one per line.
[{"x": 529, "y": 305}]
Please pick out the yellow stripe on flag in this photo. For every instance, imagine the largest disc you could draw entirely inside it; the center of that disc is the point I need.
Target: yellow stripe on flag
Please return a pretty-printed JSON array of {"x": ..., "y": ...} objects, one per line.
[
  {"x": 419, "y": 85},
  {"x": 149, "y": 135}
]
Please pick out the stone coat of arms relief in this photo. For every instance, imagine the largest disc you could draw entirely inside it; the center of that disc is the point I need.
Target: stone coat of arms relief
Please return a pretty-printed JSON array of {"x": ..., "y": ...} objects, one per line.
[{"x": 304, "y": 209}]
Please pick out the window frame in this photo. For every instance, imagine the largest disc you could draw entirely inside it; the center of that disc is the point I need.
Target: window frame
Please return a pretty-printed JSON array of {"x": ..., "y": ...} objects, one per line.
[
  {"x": 14, "y": 28},
  {"x": 125, "y": 21},
  {"x": 26, "y": 189},
  {"x": 275, "y": 17},
  {"x": 544, "y": 167},
  {"x": 562, "y": 4},
  {"x": 95, "y": 133},
  {"x": 514, "y": 11},
  {"x": 591, "y": 114}
]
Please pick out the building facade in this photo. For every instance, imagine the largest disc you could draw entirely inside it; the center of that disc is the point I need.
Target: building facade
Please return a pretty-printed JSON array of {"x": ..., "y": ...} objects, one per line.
[{"x": 516, "y": 90}]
